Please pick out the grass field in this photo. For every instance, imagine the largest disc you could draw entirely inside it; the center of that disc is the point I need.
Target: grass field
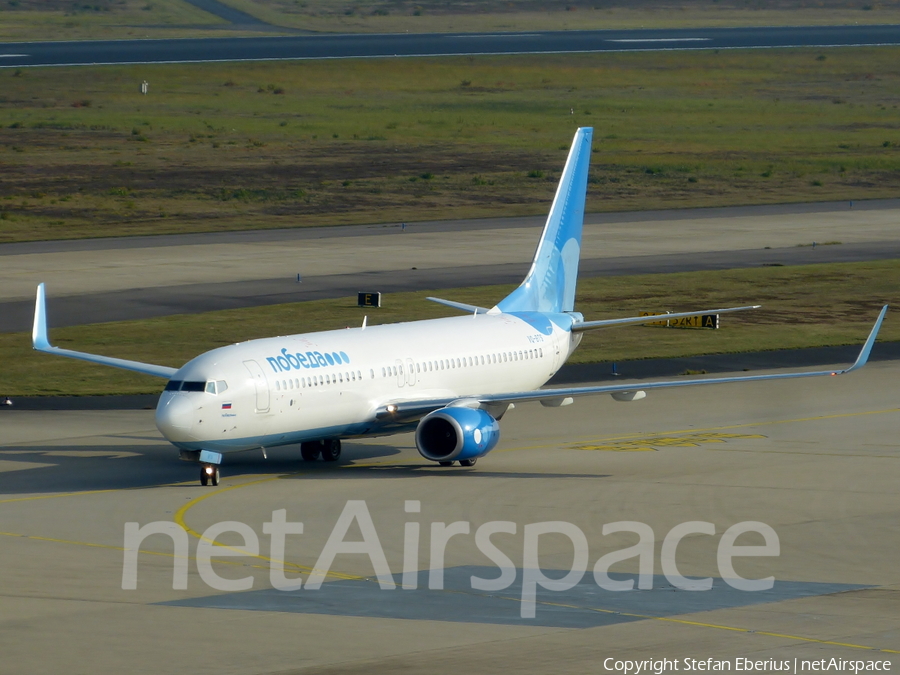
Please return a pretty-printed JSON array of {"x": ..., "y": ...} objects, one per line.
[
  {"x": 116, "y": 19},
  {"x": 294, "y": 144},
  {"x": 26, "y": 20},
  {"x": 803, "y": 306}
]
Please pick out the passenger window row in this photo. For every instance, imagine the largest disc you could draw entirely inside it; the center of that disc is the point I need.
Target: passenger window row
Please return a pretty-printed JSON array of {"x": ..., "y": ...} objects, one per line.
[
  {"x": 219, "y": 386},
  {"x": 467, "y": 361},
  {"x": 318, "y": 380}
]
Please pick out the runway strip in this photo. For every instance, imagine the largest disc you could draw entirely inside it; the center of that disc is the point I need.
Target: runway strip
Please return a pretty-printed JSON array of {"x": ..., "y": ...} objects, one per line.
[{"x": 449, "y": 44}]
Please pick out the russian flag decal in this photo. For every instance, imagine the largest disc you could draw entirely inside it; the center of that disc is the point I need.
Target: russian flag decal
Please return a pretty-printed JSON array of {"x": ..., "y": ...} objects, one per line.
[{"x": 226, "y": 406}]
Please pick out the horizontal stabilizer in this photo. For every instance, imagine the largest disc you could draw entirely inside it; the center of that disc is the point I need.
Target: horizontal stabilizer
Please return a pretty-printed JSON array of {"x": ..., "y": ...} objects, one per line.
[
  {"x": 471, "y": 309},
  {"x": 609, "y": 323},
  {"x": 40, "y": 340}
]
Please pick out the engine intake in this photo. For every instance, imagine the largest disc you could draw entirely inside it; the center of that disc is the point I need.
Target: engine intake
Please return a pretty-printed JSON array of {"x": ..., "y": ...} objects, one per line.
[{"x": 452, "y": 434}]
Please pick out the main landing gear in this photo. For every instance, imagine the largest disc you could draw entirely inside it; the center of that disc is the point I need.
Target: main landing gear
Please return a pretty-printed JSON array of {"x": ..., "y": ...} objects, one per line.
[
  {"x": 329, "y": 450},
  {"x": 462, "y": 462},
  {"x": 209, "y": 473}
]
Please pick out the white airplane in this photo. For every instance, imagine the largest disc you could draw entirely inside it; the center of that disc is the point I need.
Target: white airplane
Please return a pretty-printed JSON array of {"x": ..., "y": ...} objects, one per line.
[{"x": 448, "y": 379}]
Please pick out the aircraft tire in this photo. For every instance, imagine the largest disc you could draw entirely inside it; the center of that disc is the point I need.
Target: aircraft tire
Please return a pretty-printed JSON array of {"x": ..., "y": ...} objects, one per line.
[
  {"x": 204, "y": 477},
  {"x": 311, "y": 450},
  {"x": 468, "y": 462},
  {"x": 331, "y": 449},
  {"x": 214, "y": 478},
  {"x": 446, "y": 463}
]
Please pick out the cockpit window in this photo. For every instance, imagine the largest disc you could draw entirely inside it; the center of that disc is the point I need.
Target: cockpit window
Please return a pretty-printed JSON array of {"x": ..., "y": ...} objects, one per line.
[{"x": 209, "y": 387}]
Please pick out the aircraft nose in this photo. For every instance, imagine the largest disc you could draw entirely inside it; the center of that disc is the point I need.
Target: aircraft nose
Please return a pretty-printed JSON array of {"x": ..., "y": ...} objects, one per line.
[{"x": 174, "y": 416}]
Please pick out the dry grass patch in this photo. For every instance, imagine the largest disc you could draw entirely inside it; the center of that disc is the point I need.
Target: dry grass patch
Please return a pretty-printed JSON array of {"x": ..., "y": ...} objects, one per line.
[{"x": 217, "y": 147}]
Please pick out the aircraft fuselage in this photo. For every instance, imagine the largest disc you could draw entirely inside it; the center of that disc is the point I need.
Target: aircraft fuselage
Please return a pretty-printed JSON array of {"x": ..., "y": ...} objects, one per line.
[{"x": 286, "y": 390}]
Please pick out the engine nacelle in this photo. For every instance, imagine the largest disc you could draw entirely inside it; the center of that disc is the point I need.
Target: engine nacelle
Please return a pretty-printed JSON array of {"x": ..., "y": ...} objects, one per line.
[{"x": 456, "y": 433}]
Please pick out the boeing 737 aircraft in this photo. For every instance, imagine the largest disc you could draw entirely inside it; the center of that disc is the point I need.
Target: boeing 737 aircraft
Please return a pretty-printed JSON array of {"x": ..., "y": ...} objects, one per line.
[{"x": 448, "y": 379}]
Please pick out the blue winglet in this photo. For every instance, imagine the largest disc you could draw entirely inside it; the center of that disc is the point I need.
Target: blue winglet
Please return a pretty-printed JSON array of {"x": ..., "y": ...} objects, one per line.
[
  {"x": 39, "y": 338},
  {"x": 550, "y": 284},
  {"x": 870, "y": 341}
]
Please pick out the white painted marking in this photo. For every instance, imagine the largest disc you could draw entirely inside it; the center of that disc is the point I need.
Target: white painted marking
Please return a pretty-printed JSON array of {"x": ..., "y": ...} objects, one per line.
[
  {"x": 494, "y": 35},
  {"x": 695, "y": 39},
  {"x": 13, "y": 56}
]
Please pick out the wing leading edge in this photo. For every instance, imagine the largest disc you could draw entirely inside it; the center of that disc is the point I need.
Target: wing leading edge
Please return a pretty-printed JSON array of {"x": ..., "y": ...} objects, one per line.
[
  {"x": 411, "y": 409},
  {"x": 40, "y": 340}
]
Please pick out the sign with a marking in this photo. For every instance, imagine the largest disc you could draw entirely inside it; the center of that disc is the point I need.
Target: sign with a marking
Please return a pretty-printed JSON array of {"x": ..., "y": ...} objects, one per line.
[
  {"x": 368, "y": 299},
  {"x": 696, "y": 321}
]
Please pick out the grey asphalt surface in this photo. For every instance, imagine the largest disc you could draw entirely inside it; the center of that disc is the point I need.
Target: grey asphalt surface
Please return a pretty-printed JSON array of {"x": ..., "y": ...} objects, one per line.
[
  {"x": 138, "y": 303},
  {"x": 815, "y": 462},
  {"x": 404, "y": 45},
  {"x": 142, "y": 303},
  {"x": 387, "y": 229},
  {"x": 229, "y": 14}
]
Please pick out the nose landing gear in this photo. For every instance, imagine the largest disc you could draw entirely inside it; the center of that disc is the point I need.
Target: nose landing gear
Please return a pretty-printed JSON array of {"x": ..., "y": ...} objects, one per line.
[
  {"x": 209, "y": 473},
  {"x": 209, "y": 467}
]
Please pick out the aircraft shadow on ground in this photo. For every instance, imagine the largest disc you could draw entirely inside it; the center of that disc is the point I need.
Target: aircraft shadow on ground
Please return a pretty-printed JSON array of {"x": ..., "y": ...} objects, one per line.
[
  {"x": 120, "y": 467},
  {"x": 82, "y": 469},
  {"x": 425, "y": 470},
  {"x": 357, "y": 462},
  {"x": 584, "y": 605}
]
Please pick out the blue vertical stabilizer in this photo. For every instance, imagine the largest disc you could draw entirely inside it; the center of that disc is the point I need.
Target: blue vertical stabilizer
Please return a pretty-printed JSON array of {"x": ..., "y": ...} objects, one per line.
[{"x": 550, "y": 284}]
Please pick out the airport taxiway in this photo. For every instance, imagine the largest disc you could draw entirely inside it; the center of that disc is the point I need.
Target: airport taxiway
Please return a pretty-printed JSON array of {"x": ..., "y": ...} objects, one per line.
[
  {"x": 91, "y": 281},
  {"x": 816, "y": 461}
]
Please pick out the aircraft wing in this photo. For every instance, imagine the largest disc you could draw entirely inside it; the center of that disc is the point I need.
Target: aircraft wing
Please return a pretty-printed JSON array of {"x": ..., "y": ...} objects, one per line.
[
  {"x": 41, "y": 342},
  {"x": 409, "y": 410}
]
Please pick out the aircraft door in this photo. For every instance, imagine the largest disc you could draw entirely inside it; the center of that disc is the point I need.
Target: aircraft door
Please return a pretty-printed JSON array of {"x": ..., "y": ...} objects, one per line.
[
  {"x": 401, "y": 376},
  {"x": 261, "y": 384},
  {"x": 410, "y": 373},
  {"x": 556, "y": 357}
]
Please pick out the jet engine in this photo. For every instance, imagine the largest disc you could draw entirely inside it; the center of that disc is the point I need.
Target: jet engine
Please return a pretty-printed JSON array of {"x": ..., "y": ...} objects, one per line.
[{"x": 456, "y": 433}]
